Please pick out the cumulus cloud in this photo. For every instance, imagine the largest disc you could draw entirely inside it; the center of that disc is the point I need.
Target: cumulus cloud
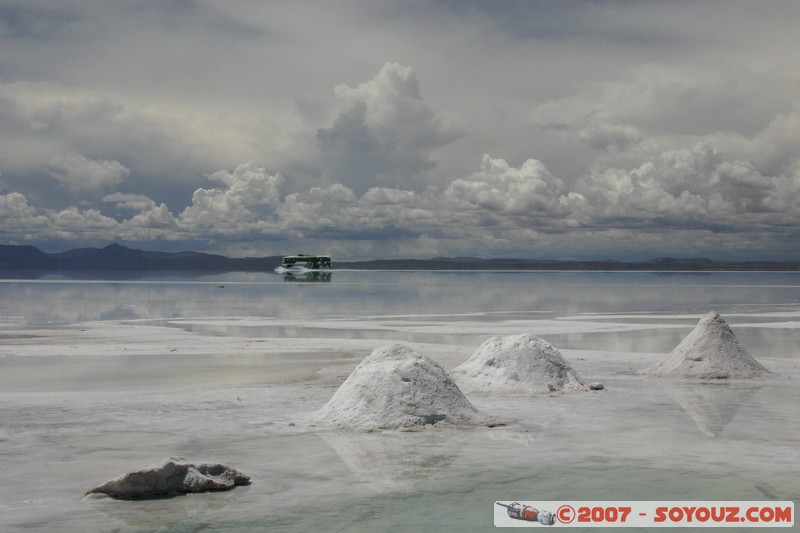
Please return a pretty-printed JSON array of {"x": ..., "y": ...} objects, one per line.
[
  {"x": 675, "y": 138},
  {"x": 18, "y": 219},
  {"x": 83, "y": 175},
  {"x": 243, "y": 205},
  {"x": 151, "y": 221},
  {"x": 136, "y": 202},
  {"x": 529, "y": 190},
  {"x": 384, "y": 132},
  {"x": 691, "y": 186},
  {"x": 687, "y": 197},
  {"x": 746, "y": 113},
  {"x": 86, "y": 223},
  {"x": 772, "y": 150}
]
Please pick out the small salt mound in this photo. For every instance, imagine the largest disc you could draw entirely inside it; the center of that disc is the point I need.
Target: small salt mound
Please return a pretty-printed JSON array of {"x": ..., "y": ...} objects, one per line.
[
  {"x": 710, "y": 351},
  {"x": 170, "y": 477},
  {"x": 519, "y": 363},
  {"x": 396, "y": 388}
]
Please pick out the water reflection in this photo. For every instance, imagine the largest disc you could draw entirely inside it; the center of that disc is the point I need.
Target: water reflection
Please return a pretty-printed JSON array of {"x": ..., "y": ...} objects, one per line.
[
  {"x": 638, "y": 341},
  {"x": 307, "y": 276},
  {"x": 396, "y": 462},
  {"x": 168, "y": 513},
  {"x": 712, "y": 406},
  {"x": 365, "y": 294},
  {"x": 759, "y": 341}
]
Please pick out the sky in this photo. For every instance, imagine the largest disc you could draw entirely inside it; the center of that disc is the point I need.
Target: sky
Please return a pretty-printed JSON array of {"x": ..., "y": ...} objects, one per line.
[{"x": 594, "y": 129}]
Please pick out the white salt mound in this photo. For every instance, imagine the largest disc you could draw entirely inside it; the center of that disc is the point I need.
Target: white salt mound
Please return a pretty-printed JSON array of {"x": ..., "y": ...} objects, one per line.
[
  {"x": 170, "y": 477},
  {"x": 396, "y": 388},
  {"x": 519, "y": 363},
  {"x": 710, "y": 351}
]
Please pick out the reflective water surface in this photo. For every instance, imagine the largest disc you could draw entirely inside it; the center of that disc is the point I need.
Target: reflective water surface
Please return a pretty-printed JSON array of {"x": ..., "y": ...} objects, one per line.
[
  {"x": 98, "y": 377},
  {"x": 494, "y": 296}
]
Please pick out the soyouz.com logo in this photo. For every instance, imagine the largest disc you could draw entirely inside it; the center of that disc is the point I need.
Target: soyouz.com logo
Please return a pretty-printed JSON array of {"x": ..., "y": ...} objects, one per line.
[{"x": 693, "y": 514}]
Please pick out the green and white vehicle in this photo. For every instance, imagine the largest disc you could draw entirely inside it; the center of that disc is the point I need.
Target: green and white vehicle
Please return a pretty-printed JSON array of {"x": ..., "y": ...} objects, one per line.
[{"x": 305, "y": 263}]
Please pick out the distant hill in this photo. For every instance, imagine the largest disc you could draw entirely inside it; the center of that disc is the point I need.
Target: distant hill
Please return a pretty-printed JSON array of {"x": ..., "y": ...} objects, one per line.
[
  {"x": 665, "y": 264},
  {"x": 121, "y": 258}
]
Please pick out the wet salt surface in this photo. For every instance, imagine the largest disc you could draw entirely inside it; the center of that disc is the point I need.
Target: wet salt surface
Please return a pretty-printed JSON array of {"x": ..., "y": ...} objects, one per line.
[
  {"x": 390, "y": 481},
  {"x": 642, "y": 438},
  {"x": 88, "y": 400}
]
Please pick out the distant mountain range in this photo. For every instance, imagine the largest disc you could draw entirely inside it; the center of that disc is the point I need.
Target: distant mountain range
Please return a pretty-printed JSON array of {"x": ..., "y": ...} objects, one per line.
[
  {"x": 658, "y": 264},
  {"x": 121, "y": 258}
]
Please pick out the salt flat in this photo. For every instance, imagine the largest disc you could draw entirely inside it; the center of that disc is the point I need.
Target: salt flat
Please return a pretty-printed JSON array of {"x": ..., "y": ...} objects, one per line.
[{"x": 82, "y": 403}]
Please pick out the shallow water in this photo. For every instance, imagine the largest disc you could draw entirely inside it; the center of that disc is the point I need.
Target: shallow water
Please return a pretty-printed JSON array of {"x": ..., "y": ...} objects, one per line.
[
  {"x": 351, "y": 293},
  {"x": 98, "y": 378},
  {"x": 369, "y": 295}
]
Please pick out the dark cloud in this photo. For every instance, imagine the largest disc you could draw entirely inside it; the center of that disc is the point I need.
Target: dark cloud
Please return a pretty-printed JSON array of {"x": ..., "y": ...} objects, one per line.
[
  {"x": 36, "y": 21},
  {"x": 384, "y": 132},
  {"x": 611, "y": 128}
]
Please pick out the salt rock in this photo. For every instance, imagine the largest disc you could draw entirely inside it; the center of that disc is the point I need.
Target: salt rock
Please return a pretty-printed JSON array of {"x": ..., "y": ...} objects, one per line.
[
  {"x": 519, "y": 363},
  {"x": 710, "y": 351},
  {"x": 396, "y": 388},
  {"x": 170, "y": 477}
]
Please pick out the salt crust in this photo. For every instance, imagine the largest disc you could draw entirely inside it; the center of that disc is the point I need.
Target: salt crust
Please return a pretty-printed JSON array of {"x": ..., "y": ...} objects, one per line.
[
  {"x": 518, "y": 363},
  {"x": 170, "y": 477},
  {"x": 710, "y": 351},
  {"x": 397, "y": 388}
]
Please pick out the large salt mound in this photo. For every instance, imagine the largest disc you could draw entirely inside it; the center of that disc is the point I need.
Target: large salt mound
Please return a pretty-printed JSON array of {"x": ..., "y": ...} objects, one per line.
[
  {"x": 396, "y": 388},
  {"x": 710, "y": 351},
  {"x": 519, "y": 363}
]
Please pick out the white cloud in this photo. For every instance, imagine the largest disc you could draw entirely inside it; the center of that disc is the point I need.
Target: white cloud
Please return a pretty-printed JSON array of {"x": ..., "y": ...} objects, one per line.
[
  {"x": 82, "y": 223},
  {"x": 682, "y": 198},
  {"x": 136, "y": 202},
  {"x": 691, "y": 186},
  {"x": 19, "y": 220},
  {"x": 82, "y": 175},
  {"x": 529, "y": 190},
  {"x": 242, "y": 207},
  {"x": 152, "y": 221}
]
